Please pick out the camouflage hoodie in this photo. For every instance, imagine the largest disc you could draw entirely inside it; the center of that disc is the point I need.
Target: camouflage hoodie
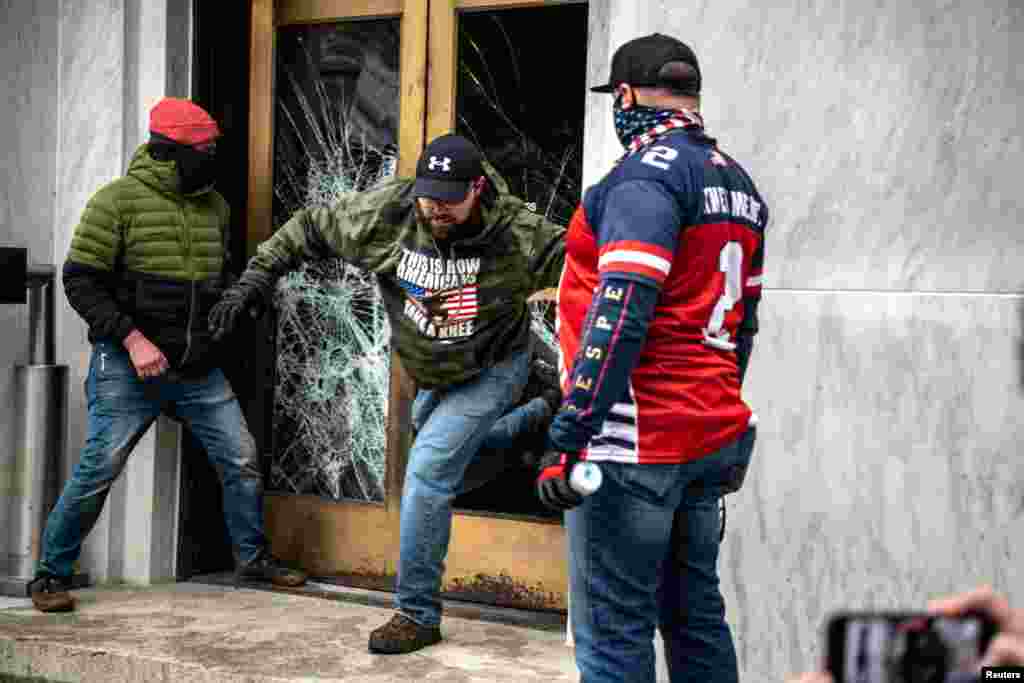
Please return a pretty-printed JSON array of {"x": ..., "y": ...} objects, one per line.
[{"x": 454, "y": 310}]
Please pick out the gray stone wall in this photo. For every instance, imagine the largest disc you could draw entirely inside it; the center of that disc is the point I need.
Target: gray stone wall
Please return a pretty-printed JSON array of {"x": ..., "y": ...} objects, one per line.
[
  {"x": 81, "y": 79},
  {"x": 28, "y": 146},
  {"x": 887, "y": 375}
]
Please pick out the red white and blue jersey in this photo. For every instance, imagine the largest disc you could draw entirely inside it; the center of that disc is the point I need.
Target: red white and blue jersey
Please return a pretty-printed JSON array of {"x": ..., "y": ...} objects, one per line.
[{"x": 681, "y": 217}]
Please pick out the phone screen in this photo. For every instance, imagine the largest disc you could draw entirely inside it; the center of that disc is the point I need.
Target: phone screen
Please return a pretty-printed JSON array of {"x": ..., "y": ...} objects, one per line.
[{"x": 906, "y": 648}]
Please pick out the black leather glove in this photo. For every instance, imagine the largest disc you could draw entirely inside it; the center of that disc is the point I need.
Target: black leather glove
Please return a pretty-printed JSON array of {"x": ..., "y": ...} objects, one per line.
[
  {"x": 553, "y": 481},
  {"x": 235, "y": 302}
]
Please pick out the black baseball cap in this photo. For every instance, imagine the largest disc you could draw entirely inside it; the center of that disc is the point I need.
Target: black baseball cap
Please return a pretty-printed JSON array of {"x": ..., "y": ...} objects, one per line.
[
  {"x": 656, "y": 60},
  {"x": 446, "y": 168}
]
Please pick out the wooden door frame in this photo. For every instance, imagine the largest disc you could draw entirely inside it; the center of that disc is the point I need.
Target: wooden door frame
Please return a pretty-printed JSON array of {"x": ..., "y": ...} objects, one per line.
[
  {"x": 267, "y": 16},
  {"x": 365, "y": 535},
  {"x": 443, "y": 67},
  {"x": 371, "y": 546}
]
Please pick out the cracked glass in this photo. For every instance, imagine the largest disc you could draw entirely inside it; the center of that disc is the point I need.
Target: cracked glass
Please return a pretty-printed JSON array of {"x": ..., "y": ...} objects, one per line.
[{"x": 336, "y": 132}]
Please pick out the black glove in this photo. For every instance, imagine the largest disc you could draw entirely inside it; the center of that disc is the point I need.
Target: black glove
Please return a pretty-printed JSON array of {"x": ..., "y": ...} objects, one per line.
[
  {"x": 236, "y": 301},
  {"x": 553, "y": 481}
]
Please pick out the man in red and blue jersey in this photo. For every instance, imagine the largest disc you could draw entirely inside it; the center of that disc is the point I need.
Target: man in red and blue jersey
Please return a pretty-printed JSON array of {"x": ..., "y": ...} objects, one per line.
[{"x": 657, "y": 313}]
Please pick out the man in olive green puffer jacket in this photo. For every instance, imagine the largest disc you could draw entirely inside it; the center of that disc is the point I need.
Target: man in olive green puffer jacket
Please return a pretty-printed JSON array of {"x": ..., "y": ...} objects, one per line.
[
  {"x": 456, "y": 257},
  {"x": 145, "y": 266}
]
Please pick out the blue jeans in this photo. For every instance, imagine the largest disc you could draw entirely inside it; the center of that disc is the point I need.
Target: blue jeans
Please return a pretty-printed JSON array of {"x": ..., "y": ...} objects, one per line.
[
  {"x": 643, "y": 553},
  {"x": 121, "y": 409},
  {"x": 453, "y": 424}
]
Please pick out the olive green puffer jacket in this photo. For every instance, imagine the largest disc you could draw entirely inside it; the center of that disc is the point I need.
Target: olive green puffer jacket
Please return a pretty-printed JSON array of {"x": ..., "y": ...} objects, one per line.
[{"x": 145, "y": 256}]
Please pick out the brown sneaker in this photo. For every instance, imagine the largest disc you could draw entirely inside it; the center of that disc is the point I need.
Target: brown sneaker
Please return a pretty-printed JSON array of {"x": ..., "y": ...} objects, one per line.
[
  {"x": 266, "y": 567},
  {"x": 402, "y": 635},
  {"x": 50, "y": 594}
]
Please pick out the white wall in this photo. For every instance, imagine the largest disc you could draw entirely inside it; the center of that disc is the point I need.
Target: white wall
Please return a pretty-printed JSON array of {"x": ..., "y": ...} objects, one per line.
[
  {"x": 81, "y": 79},
  {"x": 887, "y": 374},
  {"x": 28, "y": 39}
]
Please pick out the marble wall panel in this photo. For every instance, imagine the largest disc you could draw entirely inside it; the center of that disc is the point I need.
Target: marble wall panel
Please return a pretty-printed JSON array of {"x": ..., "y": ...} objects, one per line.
[
  {"x": 143, "y": 505},
  {"x": 89, "y": 154},
  {"x": 28, "y": 143},
  {"x": 597, "y": 131},
  {"x": 28, "y": 126},
  {"x": 887, "y": 468},
  {"x": 884, "y": 135},
  {"x": 158, "y": 48}
]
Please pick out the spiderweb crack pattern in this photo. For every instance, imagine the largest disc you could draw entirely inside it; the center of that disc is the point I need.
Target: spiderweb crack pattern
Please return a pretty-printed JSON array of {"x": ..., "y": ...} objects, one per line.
[
  {"x": 333, "y": 351},
  {"x": 330, "y": 404}
]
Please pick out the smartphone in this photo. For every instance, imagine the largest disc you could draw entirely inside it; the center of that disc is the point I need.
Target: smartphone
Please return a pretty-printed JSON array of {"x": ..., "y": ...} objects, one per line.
[{"x": 906, "y": 647}]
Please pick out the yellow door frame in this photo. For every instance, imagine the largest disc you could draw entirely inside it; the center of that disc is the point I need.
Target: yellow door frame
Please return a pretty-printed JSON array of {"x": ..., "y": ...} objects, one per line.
[{"x": 507, "y": 560}]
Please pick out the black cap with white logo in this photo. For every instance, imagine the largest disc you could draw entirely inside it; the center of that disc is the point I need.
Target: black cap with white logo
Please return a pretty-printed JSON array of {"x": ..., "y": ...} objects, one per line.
[
  {"x": 656, "y": 60},
  {"x": 446, "y": 168}
]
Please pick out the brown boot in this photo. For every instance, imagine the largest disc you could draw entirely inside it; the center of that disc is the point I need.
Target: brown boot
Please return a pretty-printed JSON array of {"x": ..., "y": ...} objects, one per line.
[
  {"x": 402, "y": 635},
  {"x": 50, "y": 594},
  {"x": 266, "y": 567}
]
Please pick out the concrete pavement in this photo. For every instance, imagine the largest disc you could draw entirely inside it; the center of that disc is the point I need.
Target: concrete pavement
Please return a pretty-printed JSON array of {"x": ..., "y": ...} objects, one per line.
[{"x": 214, "y": 634}]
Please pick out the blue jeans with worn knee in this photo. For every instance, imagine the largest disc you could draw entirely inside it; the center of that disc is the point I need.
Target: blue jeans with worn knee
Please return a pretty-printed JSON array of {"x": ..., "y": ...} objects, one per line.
[
  {"x": 643, "y": 553},
  {"x": 121, "y": 409},
  {"x": 452, "y": 425}
]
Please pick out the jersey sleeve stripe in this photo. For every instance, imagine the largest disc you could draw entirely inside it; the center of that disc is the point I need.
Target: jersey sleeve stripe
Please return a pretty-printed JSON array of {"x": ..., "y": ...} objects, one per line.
[
  {"x": 636, "y": 258},
  {"x": 655, "y": 278},
  {"x": 638, "y": 245},
  {"x": 627, "y": 410}
]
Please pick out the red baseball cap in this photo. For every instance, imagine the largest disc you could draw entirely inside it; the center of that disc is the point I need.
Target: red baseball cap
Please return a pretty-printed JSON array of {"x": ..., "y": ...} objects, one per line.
[{"x": 182, "y": 121}]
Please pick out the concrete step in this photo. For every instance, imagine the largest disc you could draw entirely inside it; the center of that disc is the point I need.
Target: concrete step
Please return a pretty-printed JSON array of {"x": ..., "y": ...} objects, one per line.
[{"x": 214, "y": 634}]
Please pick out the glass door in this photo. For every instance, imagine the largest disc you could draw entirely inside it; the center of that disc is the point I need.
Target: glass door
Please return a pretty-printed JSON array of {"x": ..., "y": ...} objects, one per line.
[
  {"x": 492, "y": 78},
  {"x": 342, "y": 94},
  {"x": 337, "y": 103}
]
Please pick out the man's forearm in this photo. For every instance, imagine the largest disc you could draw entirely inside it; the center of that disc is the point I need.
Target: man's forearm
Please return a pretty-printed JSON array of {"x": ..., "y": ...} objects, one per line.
[
  {"x": 88, "y": 291},
  {"x": 549, "y": 259},
  {"x": 300, "y": 239},
  {"x": 620, "y": 315}
]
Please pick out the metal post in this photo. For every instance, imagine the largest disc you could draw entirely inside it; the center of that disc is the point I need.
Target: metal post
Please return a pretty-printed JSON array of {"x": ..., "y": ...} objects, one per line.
[
  {"x": 42, "y": 347},
  {"x": 33, "y": 479},
  {"x": 41, "y": 392}
]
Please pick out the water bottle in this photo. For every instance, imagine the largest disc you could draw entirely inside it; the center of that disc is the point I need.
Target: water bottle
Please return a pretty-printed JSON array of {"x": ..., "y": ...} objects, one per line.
[{"x": 585, "y": 478}]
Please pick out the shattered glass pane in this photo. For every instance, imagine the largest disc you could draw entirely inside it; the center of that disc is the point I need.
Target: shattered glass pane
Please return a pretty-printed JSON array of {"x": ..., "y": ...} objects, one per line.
[
  {"x": 336, "y": 133},
  {"x": 524, "y": 110}
]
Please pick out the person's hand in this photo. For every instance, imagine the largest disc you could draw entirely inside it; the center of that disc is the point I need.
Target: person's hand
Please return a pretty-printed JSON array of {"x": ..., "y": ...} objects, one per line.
[
  {"x": 225, "y": 313},
  {"x": 812, "y": 677},
  {"x": 553, "y": 481},
  {"x": 1007, "y": 648},
  {"x": 149, "y": 361}
]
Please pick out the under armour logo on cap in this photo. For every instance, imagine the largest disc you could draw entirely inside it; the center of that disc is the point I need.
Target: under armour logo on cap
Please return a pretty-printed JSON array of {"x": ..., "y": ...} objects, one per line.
[
  {"x": 447, "y": 168},
  {"x": 445, "y": 164}
]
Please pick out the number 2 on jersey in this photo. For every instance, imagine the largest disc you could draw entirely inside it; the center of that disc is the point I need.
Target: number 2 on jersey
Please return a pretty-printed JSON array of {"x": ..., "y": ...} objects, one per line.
[
  {"x": 730, "y": 262},
  {"x": 660, "y": 157}
]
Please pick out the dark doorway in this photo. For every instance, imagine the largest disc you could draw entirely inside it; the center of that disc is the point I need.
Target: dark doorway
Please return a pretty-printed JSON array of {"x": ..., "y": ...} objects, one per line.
[
  {"x": 521, "y": 97},
  {"x": 221, "y": 86},
  {"x": 525, "y": 108}
]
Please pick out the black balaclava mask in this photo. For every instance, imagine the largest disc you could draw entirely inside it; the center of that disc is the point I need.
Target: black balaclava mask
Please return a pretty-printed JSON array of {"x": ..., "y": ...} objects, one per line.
[{"x": 197, "y": 169}]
